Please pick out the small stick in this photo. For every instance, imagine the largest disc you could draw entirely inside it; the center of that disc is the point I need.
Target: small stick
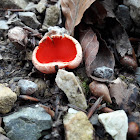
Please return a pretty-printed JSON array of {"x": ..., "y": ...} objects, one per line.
[
  {"x": 12, "y": 10},
  {"x": 107, "y": 110},
  {"x": 48, "y": 110},
  {"x": 94, "y": 107},
  {"x": 26, "y": 97}
]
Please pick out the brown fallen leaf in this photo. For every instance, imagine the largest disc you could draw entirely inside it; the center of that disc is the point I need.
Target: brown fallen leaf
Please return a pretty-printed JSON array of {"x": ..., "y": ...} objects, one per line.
[
  {"x": 126, "y": 96},
  {"x": 90, "y": 45},
  {"x": 105, "y": 58},
  {"x": 73, "y": 11}
]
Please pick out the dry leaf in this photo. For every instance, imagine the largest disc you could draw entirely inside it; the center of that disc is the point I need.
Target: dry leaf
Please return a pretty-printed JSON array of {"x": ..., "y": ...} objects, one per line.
[
  {"x": 73, "y": 11},
  {"x": 126, "y": 96},
  {"x": 118, "y": 32},
  {"x": 95, "y": 14},
  {"x": 90, "y": 45},
  {"x": 105, "y": 58}
]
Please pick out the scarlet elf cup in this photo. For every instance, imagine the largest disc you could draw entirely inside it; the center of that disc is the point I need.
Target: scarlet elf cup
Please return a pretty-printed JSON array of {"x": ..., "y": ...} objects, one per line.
[{"x": 57, "y": 50}]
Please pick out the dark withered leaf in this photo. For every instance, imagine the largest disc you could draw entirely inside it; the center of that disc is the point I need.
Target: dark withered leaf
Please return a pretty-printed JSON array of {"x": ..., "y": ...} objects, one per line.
[
  {"x": 101, "y": 15},
  {"x": 95, "y": 14},
  {"x": 90, "y": 45},
  {"x": 122, "y": 43},
  {"x": 103, "y": 58},
  {"x": 126, "y": 96}
]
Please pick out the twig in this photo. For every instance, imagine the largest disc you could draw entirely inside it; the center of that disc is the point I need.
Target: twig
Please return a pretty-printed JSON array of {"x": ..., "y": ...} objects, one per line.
[
  {"x": 12, "y": 10},
  {"x": 26, "y": 97},
  {"x": 48, "y": 110},
  {"x": 94, "y": 107}
]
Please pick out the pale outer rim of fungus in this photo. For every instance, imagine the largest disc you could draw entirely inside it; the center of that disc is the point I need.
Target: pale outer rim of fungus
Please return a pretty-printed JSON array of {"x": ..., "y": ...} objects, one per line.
[{"x": 50, "y": 67}]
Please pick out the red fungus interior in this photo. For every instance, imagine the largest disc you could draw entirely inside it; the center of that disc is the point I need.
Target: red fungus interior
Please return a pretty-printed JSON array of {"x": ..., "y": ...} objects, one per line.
[{"x": 59, "y": 49}]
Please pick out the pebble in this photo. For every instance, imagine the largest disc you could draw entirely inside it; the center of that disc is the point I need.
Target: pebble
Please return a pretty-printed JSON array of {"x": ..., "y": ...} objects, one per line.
[
  {"x": 7, "y": 99},
  {"x": 123, "y": 15},
  {"x": 103, "y": 72},
  {"x": 41, "y": 84},
  {"x": 13, "y": 4},
  {"x": 29, "y": 18},
  {"x": 3, "y": 25},
  {"x": 51, "y": 17},
  {"x": 77, "y": 126},
  {"x": 94, "y": 119},
  {"x": 30, "y": 7},
  {"x": 68, "y": 82},
  {"x": 41, "y": 6},
  {"x": 27, "y": 124},
  {"x": 56, "y": 30},
  {"x": 2, "y": 137},
  {"x": 27, "y": 87},
  {"x": 134, "y": 6},
  {"x": 115, "y": 123}
]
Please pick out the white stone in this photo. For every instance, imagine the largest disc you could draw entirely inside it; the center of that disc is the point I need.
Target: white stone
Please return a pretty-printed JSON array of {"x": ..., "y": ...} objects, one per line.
[
  {"x": 134, "y": 6},
  {"x": 77, "y": 126},
  {"x": 71, "y": 110},
  {"x": 67, "y": 82},
  {"x": 115, "y": 123},
  {"x": 41, "y": 6},
  {"x": 3, "y": 25}
]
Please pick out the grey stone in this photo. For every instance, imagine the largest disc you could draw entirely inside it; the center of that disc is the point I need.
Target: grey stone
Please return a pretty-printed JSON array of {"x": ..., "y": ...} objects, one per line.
[
  {"x": 78, "y": 127},
  {"x": 41, "y": 6},
  {"x": 123, "y": 15},
  {"x": 7, "y": 99},
  {"x": 51, "y": 17},
  {"x": 3, "y": 25},
  {"x": 27, "y": 87},
  {"x": 134, "y": 6},
  {"x": 115, "y": 123},
  {"x": 94, "y": 119},
  {"x": 27, "y": 123},
  {"x": 103, "y": 72},
  {"x": 68, "y": 82},
  {"x": 13, "y": 4},
  {"x": 29, "y": 18}
]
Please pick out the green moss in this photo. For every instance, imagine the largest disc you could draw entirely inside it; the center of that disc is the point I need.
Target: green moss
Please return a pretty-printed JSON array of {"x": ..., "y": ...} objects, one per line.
[{"x": 85, "y": 86}]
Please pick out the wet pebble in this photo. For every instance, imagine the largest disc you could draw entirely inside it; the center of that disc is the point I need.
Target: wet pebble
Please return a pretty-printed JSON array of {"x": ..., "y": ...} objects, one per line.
[
  {"x": 27, "y": 87},
  {"x": 103, "y": 72}
]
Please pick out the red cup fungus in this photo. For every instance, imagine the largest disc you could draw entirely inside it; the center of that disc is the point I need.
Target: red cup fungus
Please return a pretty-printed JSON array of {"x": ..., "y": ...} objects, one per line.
[{"x": 64, "y": 52}]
